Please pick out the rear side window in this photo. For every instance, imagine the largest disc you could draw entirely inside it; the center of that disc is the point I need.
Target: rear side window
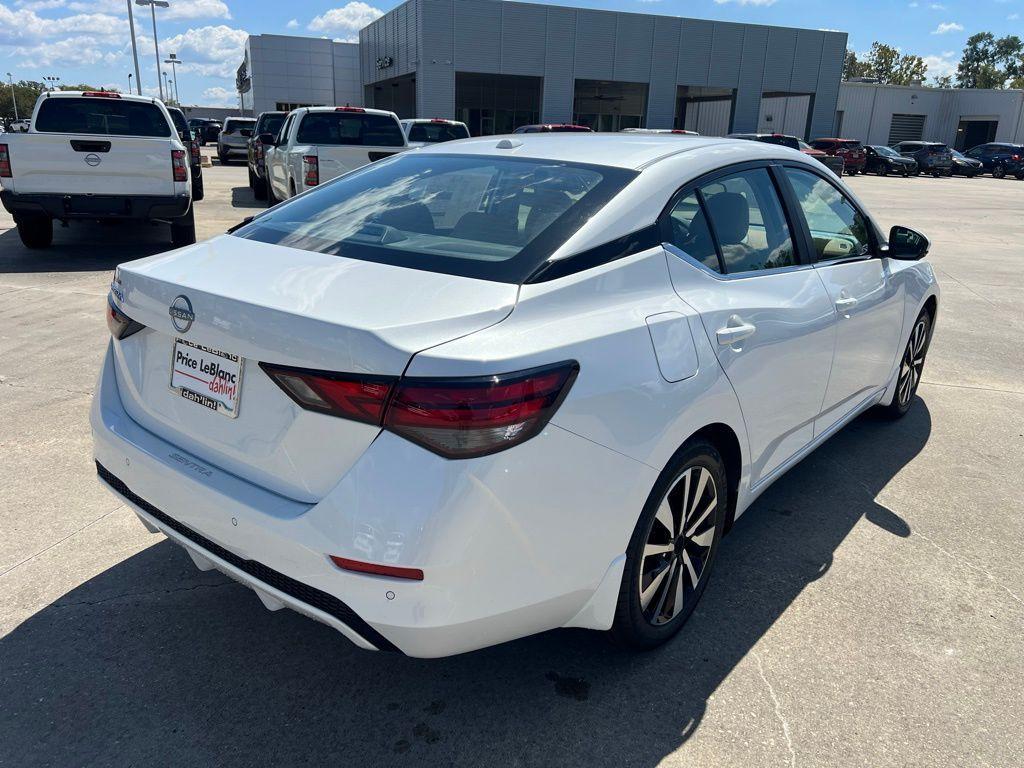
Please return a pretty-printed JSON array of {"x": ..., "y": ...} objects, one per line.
[
  {"x": 102, "y": 116},
  {"x": 350, "y": 129},
  {"x": 690, "y": 232},
  {"x": 476, "y": 216},
  {"x": 747, "y": 223},
  {"x": 436, "y": 132}
]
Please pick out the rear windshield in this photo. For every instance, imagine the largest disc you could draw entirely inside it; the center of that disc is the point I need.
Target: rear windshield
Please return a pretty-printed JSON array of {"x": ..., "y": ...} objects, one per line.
[
  {"x": 102, "y": 116},
  {"x": 435, "y": 132},
  {"x": 270, "y": 124},
  {"x": 475, "y": 216},
  {"x": 350, "y": 129},
  {"x": 822, "y": 144},
  {"x": 238, "y": 125},
  {"x": 782, "y": 141},
  {"x": 937, "y": 149},
  {"x": 849, "y": 144}
]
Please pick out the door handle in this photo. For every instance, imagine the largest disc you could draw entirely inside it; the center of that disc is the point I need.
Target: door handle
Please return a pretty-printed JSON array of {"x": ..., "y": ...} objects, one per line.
[
  {"x": 735, "y": 331},
  {"x": 846, "y": 302}
]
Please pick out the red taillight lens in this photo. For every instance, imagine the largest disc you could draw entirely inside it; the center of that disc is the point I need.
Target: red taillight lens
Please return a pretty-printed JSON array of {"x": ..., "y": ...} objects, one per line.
[
  {"x": 5, "y": 161},
  {"x": 462, "y": 418},
  {"x": 121, "y": 326},
  {"x": 178, "y": 165},
  {"x": 359, "y": 110},
  {"x": 1012, "y": 157},
  {"x": 310, "y": 170},
  {"x": 349, "y": 396},
  {"x": 456, "y": 418},
  {"x": 194, "y": 149},
  {"x": 102, "y": 94},
  {"x": 376, "y": 569}
]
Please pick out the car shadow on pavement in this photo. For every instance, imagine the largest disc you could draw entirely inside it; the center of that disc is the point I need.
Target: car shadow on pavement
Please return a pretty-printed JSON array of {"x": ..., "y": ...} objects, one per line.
[
  {"x": 152, "y": 662},
  {"x": 242, "y": 197},
  {"x": 85, "y": 246}
]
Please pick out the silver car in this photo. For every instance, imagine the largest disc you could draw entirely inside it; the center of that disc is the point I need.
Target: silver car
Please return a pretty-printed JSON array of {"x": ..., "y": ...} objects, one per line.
[{"x": 234, "y": 138}]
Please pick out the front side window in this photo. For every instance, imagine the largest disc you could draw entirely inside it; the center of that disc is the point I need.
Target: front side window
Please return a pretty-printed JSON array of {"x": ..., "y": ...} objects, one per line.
[
  {"x": 102, "y": 116},
  {"x": 837, "y": 227},
  {"x": 747, "y": 222},
  {"x": 270, "y": 124},
  {"x": 350, "y": 129},
  {"x": 476, "y": 216}
]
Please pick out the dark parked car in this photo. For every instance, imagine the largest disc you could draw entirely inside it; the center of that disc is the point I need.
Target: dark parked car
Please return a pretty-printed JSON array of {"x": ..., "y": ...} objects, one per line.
[
  {"x": 931, "y": 156},
  {"x": 886, "y": 160},
  {"x": 851, "y": 150},
  {"x": 266, "y": 122},
  {"x": 966, "y": 166},
  {"x": 834, "y": 163},
  {"x": 206, "y": 129},
  {"x": 552, "y": 128},
  {"x": 999, "y": 159},
  {"x": 194, "y": 158}
]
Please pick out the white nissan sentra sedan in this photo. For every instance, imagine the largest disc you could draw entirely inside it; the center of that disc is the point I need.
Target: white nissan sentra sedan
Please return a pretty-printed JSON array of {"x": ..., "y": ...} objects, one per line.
[{"x": 502, "y": 385}]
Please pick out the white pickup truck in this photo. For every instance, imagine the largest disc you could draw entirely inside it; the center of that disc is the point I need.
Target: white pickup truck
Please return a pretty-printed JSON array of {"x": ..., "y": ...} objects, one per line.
[
  {"x": 96, "y": 155},
  {"x": 317, "y": 144}
]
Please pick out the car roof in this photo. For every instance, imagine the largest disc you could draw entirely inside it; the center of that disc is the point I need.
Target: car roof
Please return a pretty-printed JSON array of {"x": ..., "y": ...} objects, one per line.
[
  {"x": 620, "y": 150},
  {"x": 367, "y": 110},
  {"x": 120, "y": 96}
]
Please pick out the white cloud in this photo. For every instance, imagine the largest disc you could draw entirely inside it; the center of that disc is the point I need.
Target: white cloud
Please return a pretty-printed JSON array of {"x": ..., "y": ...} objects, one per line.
[
  {"x": 948, "y": 26},
  {"x": 72, "y": 51},
  {"x": 179, "y": 9},
  {"x": 347, "y": 20},
  {"x": 25, "y": 25},
  {"x": 937, "y": 7},
  {"x": 1013, "y": 17},
  {"x": 746, "y": 2},
  {"x": 40, "y": 5},
  {"x": 293, "y": 24},
  {"x": 941, "y": 64},
  {"x": 210, "y": 51},
  {"x": 220, "y": 97}
]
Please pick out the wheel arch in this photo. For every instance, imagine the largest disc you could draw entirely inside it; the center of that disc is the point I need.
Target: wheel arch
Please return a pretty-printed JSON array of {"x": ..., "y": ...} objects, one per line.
[{"x": 727, "y": 443}]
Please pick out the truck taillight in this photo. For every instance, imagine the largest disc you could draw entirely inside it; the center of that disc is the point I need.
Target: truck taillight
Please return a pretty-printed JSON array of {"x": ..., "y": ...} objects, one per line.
[
  {"x": 456, "y": 418},
  {"x": 5, "y": 161},
  {"x": 194, "y": 149},
  {"x": 178, "y": 165},
  {"x": 310, "y": 170}
]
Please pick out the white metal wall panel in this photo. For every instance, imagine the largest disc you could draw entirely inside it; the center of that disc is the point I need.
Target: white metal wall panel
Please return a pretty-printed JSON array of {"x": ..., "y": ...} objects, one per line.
[
  {"x": 661, "y": 95},
  {"x": 523, "y": 39},
  {"x": 559, "y": 54},
  {"x": 778, "y": 64},
  {"x": 750, "y": 79},
  {"x": 726, "y": 53},
  {"x": 694, "y": 60},
  {"x": 478, "y": 33},
  {"x": 806, "y": 61},
  {"x": 823, "y": 108},
  {"x": 595, "y": 45},
  {"x": 634, "y": 42},
  {"x": 435, "y": 78}
]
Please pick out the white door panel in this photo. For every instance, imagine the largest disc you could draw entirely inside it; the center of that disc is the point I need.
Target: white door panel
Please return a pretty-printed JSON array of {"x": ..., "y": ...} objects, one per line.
[{"x": 780, "y": 368}]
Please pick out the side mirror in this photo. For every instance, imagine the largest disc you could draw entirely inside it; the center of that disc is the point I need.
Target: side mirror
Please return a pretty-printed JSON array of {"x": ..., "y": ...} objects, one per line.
[
  {"x": 268, "y": 139},
  {"x": 907, "y": 244}
]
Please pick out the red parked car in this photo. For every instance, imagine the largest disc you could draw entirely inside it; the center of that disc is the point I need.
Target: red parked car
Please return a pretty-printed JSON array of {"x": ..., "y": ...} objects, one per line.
[{"x": 851, "y": 150}]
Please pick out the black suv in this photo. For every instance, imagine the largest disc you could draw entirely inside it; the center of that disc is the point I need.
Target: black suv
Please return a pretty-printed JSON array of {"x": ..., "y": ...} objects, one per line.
[
  {"x": 206, "y": 129},
  {"x": 192, "y": 147},
  {"x": 884, "y": 160},
  {"x": 931, "y": 156},
  {"x": 267, "y": 122},
  {"x": 999, "y": 159}
]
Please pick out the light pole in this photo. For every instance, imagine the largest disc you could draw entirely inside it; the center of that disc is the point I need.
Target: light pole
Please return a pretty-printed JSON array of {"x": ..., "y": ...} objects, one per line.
[
  {"x": 166, "y": 87},
  {"x": 153, "y": 4},
  {"x": 14, "y": 96},
  {"x": 52, "y": 81},
  {"x": 135, "y": 51},
  {"x": 174, "y": 61}
]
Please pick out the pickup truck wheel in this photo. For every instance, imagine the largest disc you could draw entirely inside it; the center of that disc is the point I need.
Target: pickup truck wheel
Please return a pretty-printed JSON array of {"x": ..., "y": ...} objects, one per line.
[
  {"x": 269, "y": 195},
  {"x": 35, "y": 231},
  {"x": 259, "y": 189},
  {"x": 252, "y": 180},
  {"x": 183, "y": 230},
  {"x": 197, "y": 189}
]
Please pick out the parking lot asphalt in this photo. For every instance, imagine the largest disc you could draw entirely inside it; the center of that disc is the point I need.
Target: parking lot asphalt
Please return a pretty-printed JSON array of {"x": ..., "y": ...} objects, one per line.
[{"x": 867, "y": 611}]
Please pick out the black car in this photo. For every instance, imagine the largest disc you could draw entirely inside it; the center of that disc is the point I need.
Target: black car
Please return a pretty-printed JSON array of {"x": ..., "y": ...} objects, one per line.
[
  {"x": 205, "y": 128},
  {"x": 966, "y": 166},
  {"x": 192, "y": 147},
  {"x": 999, "y": 159},
  {"x": 885, "y": 160},
  {"x": 931, "y": 156},
  {"x": 266, "y": 122}
]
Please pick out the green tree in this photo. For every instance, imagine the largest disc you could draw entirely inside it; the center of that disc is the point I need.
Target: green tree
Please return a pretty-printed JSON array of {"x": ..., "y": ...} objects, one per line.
[
  {"x": 887, "y": 64},
  {"x": 26, "y": 93},
  {"x": 852, "y": 66},
  {"x": 990, "y": 62},
  {"x": 942, "y": 81}
]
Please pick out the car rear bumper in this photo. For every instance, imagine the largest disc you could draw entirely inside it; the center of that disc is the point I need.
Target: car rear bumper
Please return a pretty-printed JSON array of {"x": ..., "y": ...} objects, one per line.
[
  {"x": 58, "y": 206},
  {"x": 510, "y": 544},
  {"x": 233, "y": 150}
]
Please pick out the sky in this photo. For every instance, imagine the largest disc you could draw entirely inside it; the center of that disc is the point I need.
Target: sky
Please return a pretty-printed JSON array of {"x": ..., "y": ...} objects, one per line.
[{"x": 88, "y": 40}]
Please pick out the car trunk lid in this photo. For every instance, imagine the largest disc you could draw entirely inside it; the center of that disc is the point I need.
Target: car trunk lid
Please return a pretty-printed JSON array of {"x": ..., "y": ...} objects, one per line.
[{"x": 272, "y": 304}]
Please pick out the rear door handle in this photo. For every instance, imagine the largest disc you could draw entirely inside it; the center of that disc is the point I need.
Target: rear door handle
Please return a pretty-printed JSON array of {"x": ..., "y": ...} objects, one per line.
[{"x": 734, "y": 332}]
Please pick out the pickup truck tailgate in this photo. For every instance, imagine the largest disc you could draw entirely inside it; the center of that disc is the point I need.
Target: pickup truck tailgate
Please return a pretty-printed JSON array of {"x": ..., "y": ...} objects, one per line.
[{"x": 89, "y": 164}]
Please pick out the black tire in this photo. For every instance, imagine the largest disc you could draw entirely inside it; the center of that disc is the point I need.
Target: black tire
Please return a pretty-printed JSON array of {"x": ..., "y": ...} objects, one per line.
[
  {"x": 882, "y": 171},
  {"x": 198, "y": 192},
  {"x": 35, "y": 231},
  {"x": 259, "y": 188},
  {"x": 911, "y": 367},
  {"x": 1019, "y": 175},
  {"x": 183, "y": 230},
  {"x": 270, "y": 197},
  {"x": 663, "y": 573},
  {"x": 291, "y": 189},
  {"x": 998, "y": 172},
  {"x": 223, "y": 159},
  {"x": 252, "y": 180}
]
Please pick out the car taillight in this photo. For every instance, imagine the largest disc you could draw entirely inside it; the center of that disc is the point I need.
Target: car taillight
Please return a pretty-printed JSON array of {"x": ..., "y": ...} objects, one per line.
[
  {"x": 376, "y": 569},
  {"x": 178, "y": 165},
  {"x": 1012, "y": 157},
  {"x": 121, "y": 326},
  {"x": 347, "y": 108},
  {"x": 310, "y": 170},
  {"x": 5, "y": 161},
  {"x": 456, "y": 418},
  {"x": 194, "y": 149}
]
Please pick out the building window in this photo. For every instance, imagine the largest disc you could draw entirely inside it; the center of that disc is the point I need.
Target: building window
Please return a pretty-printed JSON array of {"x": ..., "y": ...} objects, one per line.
[
  {"x": 490, "y": 104},
  {"x": 288, "y": 106},
  {"x": 605, "y": 105}
]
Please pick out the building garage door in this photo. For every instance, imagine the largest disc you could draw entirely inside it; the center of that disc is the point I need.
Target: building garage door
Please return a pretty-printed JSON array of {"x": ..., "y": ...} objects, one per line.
[{"x": 906, "y": 128}]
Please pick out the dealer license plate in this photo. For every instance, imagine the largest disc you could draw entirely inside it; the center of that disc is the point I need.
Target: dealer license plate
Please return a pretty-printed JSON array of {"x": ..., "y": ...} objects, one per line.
[{"x": 207, "y": 377}]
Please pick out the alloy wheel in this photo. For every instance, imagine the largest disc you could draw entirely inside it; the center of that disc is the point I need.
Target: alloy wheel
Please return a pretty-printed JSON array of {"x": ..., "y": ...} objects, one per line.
[
  {"x": 912, "y": 363},
  {"x": 678, "y": 545}
]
